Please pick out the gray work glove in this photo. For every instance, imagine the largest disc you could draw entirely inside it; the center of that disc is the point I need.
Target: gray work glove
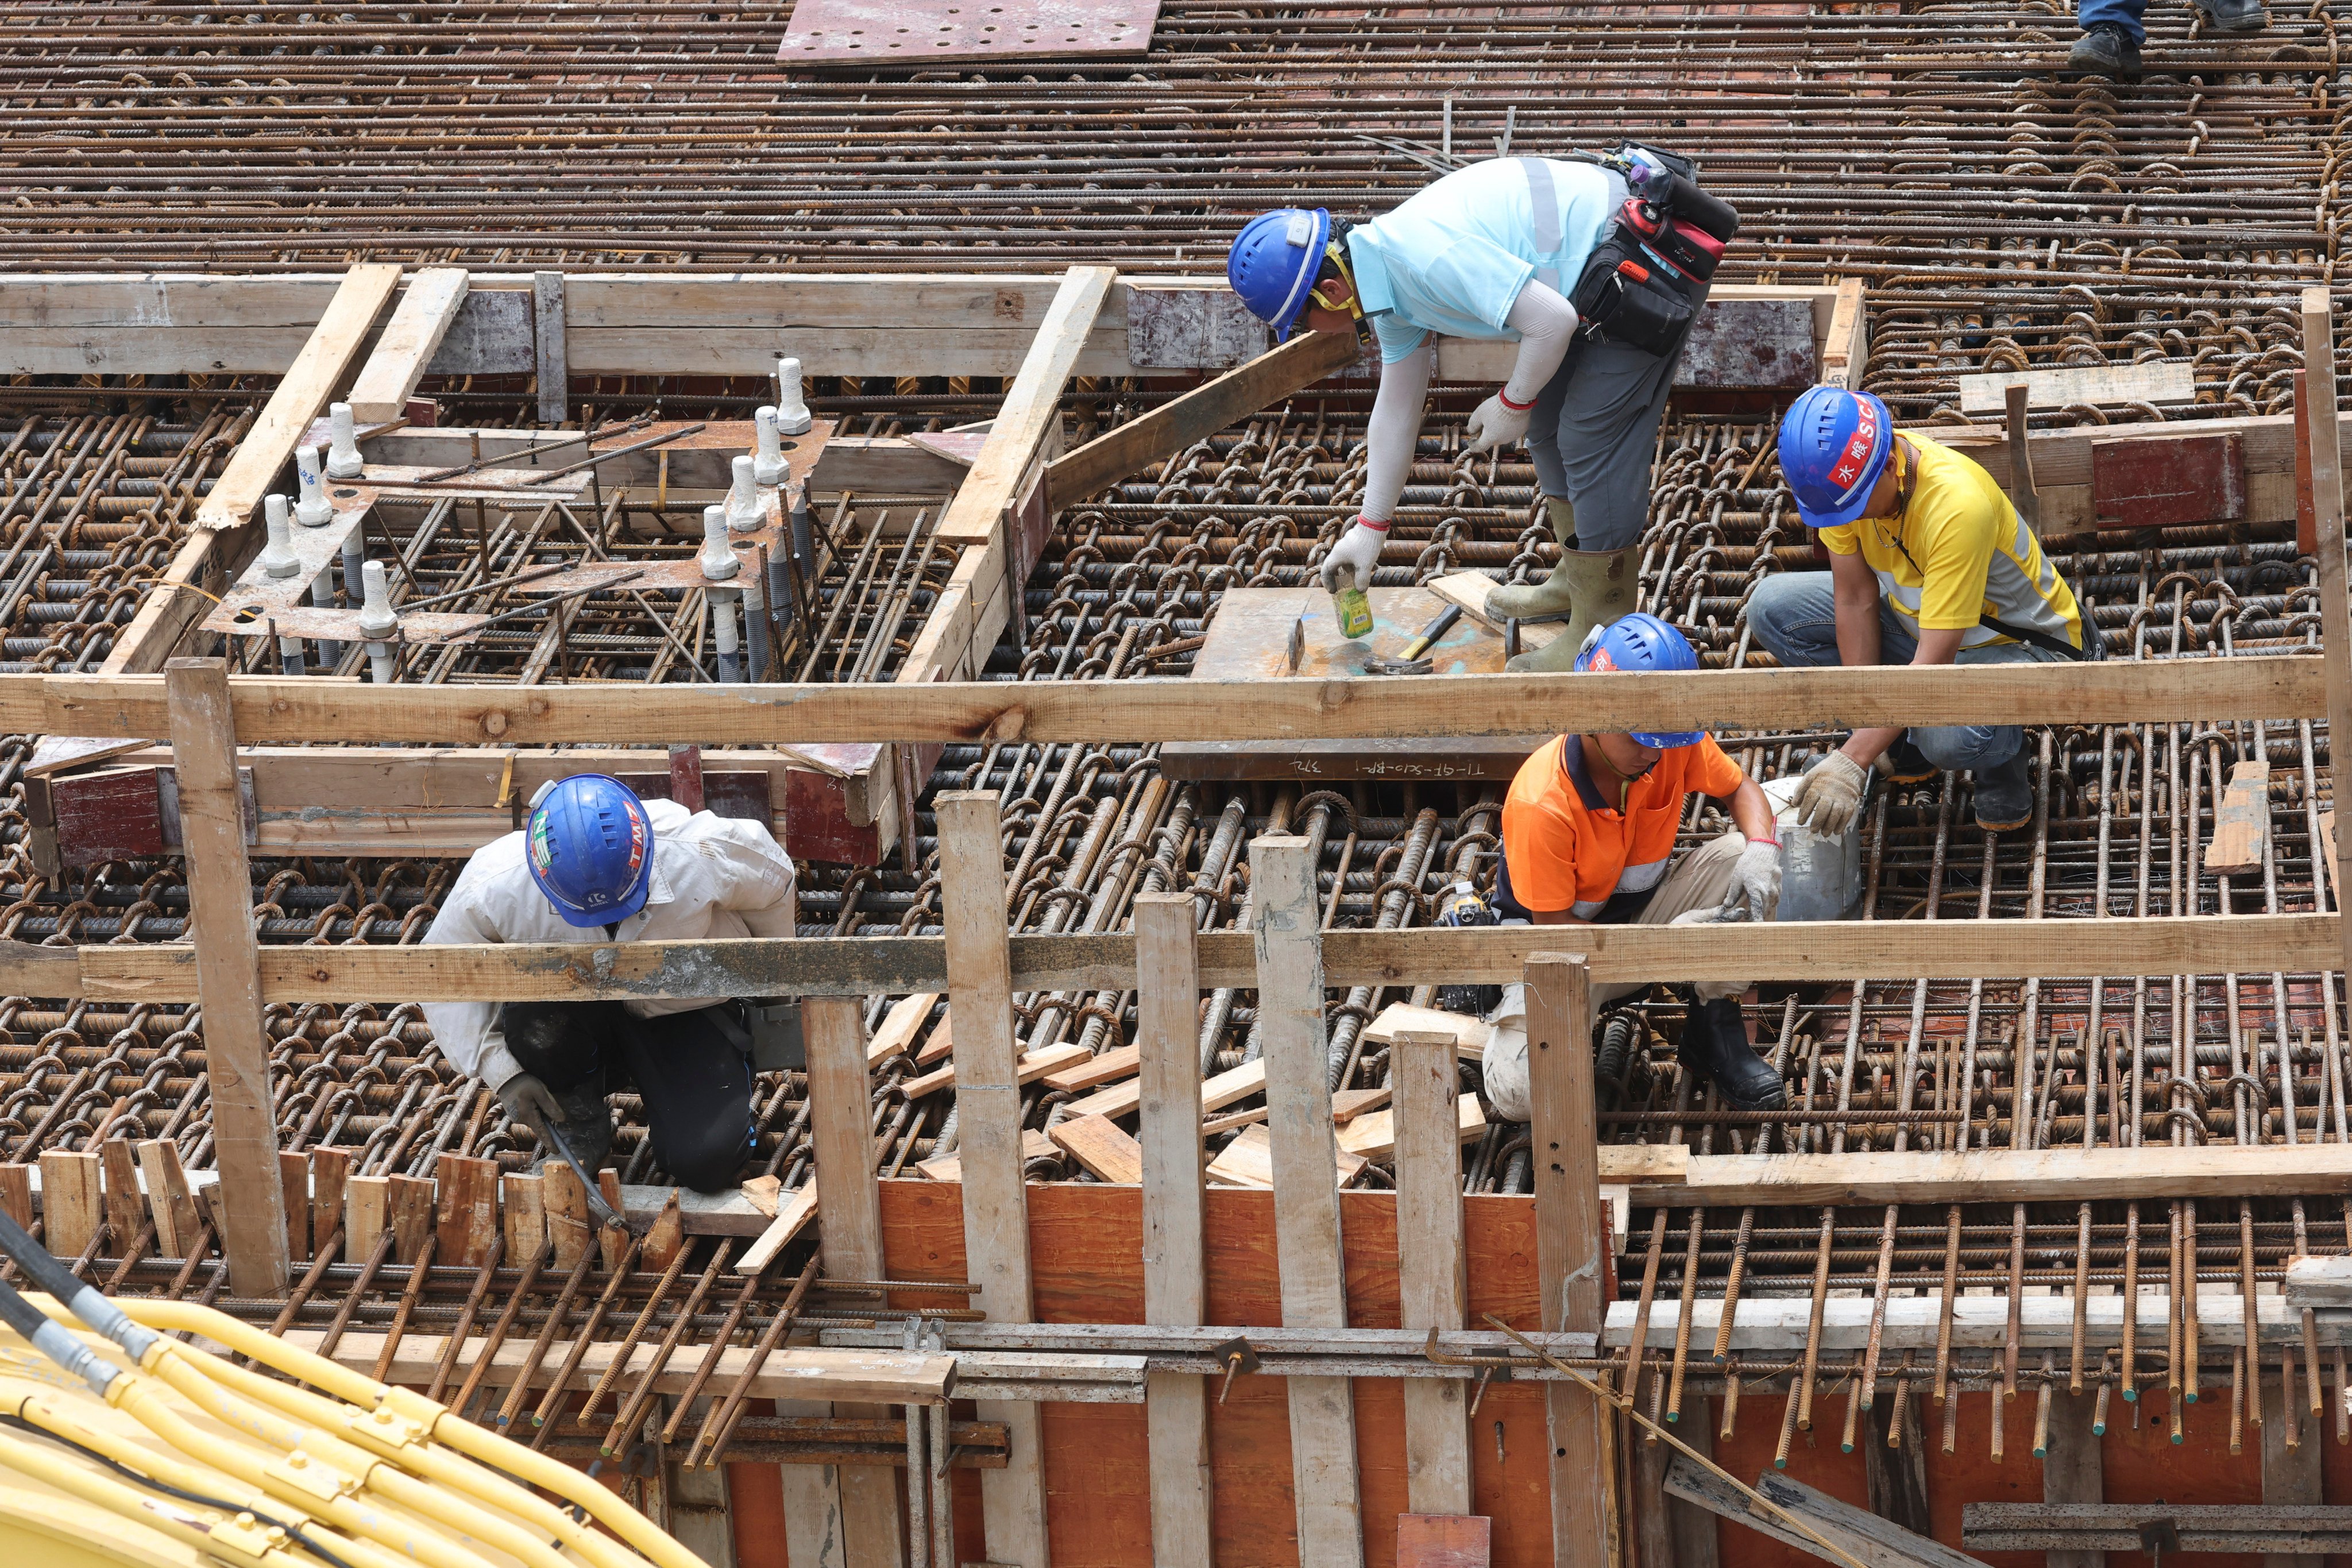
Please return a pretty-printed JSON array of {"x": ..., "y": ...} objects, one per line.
[
  {"x": 1755, "y": 882},
  {"x": 530, "y": 1101},
  {"x": 1831, "y": 797}
]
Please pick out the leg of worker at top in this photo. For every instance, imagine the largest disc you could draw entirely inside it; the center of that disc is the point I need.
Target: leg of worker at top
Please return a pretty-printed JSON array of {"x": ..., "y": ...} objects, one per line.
[
  {"x": 1727, "y": 875},
  {"x": 696, "y": 1083},
  {"x": 1996, "y": 753},
  {"x": 1594, "y": 437},
  {"x": 563, "y": 1048},
  {"x": 2111, "y": 34},
  {"x": 1792, "y": 616}
]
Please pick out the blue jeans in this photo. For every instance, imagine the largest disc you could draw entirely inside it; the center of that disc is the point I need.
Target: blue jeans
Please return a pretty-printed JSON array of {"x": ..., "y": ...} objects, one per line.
[
  {"x": 2124, "y": 14},
  {"x": 1794, "y": 617}
]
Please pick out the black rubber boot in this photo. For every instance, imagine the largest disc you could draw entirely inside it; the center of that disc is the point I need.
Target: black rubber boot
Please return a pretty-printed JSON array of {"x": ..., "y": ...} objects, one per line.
[
  {"x": 2106, "y": 49},
  {"x": 1904, "y": 763},
  {"x": 1715, "y": 1045},
  {"x": 2004, "y": 796}
]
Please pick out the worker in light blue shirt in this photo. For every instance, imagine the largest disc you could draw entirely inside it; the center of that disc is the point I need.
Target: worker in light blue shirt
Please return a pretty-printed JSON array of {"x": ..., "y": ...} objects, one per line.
[{"x": 1495, "y": 251}]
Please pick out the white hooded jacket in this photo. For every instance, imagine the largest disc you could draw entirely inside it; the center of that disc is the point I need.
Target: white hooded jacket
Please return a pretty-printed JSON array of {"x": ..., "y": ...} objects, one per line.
[{"x": 713, "y": 876}]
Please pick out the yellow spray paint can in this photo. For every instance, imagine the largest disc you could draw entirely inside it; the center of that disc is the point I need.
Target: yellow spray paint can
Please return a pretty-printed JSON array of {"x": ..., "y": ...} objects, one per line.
[{"x": 1354, "y": 613}]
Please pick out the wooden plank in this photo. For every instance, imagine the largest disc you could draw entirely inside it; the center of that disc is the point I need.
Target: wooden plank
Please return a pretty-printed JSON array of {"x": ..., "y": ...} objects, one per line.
[
  {"x": 367, "y": 1209},
  {"x": 1097, "y": 1144},
  {"x": 523, "y": 1216},
  {"x": 850, "y": 1241},
  {"x": 1371, "y": 1135},
  {"x": 2204, "y": 1527},
  {"x": 1570, "y": 1233},
  {"x": 1131, "y": 447},
  {"x": 2241, "y": 827},
  {"x": 1028, "y": 1068},
  {"x": 1471, "y": 590},
  {"x": 410, "y": 1202},
  {"x": 612, "y": 1241},
  {"x": 2326, "y": 462},
  {"x": 900, "y": 1026},
  {"x": 330, "y": 1173},
  {"x": 467, "y": 1206},
  {"x": 548, "y": 359},
  {"x": 792, "y": 1216},
  {"x": 2007, "y": 1175},
  {"x": 418, "y": 323},
  {"x": 169, "y": 1197},
  {"x": 1424, "y": 1070},
  {"x": 2152, "y": 381},
  {"x": 1845, "y": 344},
  {"x": 2071, "y": 1468},
  {"x": 1100, "y": 1069},
  {"x": 1442, "y": 1541},
  {"x": 1286, "y": 919},
  {"x": 220, "y": 902},
  {"x": 1032, "y": 407},
  {"x": 72, "y": 1206},
  {"x": 294, "y": 1192},
  {"x": 1175, "y": 1282},
  {"x": 301, "y": 395},
  {"x": 126, "y": 1210},
  {"x": 275, "y": 710},
  {"x": 988, "y": 1118},
  {"x": 2327, "y": 850},
  {"x": 564, "y": 1201},
  {"x": 1248, "y": 1161},
  {"x": 1867, "y": 1539},
  {"x": 2290, "y": 1478},
  {"x": 16, "y": 1192},
  {"x": 949, "y": 1168},
  {"x": 1217, "y": 1092}
]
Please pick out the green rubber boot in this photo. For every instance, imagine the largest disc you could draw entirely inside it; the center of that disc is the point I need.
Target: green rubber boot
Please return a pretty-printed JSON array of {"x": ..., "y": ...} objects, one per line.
[
  {"x": 1527, "y": 601},
  {"x": 1600, "y": 582}
]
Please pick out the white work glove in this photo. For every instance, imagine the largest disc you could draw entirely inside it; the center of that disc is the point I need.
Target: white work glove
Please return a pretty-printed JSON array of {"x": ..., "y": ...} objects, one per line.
[
  {"x": 1496, "y": 423},
  {"x": 1831, "y": 797},
  {"x": 1358, "y": 551},
  {"x": 1755, "y": 882}
]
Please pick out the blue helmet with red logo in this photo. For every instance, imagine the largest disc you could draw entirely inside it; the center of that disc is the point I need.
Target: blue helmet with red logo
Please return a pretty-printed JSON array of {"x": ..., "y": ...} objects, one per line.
[
  {"x": 1641, "y": 643},
  {"x": 1834, "y": 446},
  {"x": 1273, "y": 262},
  {"x": 590, "y": 847}
]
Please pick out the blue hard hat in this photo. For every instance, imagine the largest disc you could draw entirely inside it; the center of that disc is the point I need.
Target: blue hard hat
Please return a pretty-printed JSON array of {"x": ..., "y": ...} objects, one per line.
[
  {"x": 590, "y": 847},
  {"x": 1641, "y": 643},
  {"x": 1273, "y": 262},
  {"x": 1834, "y": 446}
]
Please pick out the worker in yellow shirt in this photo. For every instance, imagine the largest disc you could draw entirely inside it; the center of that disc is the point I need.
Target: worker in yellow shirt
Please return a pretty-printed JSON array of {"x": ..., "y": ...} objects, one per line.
[
  {"x": 1928, "y": 565},
  {"x": 1589, "y": 836}
]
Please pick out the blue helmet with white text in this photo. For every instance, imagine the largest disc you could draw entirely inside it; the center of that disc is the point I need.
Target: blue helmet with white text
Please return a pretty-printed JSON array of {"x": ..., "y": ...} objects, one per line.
[
  {"x": 1273, "y": 262},
  {"x": 1641, "y": 643},
  {"x": 590, "y": 847}
]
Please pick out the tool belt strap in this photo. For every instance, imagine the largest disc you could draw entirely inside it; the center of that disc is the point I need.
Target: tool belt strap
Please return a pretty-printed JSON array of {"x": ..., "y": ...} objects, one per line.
[{"x": 1544, "y": 200}]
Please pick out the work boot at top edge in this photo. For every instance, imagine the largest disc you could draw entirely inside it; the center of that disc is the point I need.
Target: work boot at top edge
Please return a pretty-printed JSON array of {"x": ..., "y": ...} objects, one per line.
[
  {"x": 2105, "y": 49},
  {"x": 2233, "y": 15},
  {"x": 1904, "y": 763},
  {"x": 1603, "y": 589},
  {"x": 2004, "y": 794},
  {"x": 1715, "y": 1044}
]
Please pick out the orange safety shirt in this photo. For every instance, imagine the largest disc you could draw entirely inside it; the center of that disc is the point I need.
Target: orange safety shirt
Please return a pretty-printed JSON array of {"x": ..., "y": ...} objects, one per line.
[{"x": 1566, "y": 846}]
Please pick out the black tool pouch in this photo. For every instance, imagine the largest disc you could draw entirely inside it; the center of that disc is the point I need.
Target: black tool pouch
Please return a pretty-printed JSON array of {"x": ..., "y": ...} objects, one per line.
[{"x": 1623, "y": 299}]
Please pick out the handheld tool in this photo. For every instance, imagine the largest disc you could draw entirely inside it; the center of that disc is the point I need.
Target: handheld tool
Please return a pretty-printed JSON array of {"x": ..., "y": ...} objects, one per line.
[
  {"x": 1413, "y": 660},
  {"x": 599, "y": 1210}
]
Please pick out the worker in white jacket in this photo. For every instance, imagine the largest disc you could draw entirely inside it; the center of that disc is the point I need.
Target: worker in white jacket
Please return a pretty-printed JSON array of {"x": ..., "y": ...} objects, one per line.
[{"x": 595, "y": 864}]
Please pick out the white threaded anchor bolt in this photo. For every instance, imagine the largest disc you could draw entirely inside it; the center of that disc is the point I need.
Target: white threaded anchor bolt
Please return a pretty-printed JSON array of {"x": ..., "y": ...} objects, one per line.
[
  {"x": 744, "y": 511},
  {"x": 314, "y": 510},
  {"x": 376, "y": 618},
  {"x": 769, "y": 466},
  {"x": 723, "y": 637},
  {"x": 792, "y": 415},
  {"x": 343, "y": 459},
  {"x": 278, "y": 557},
  {"x": 717, "y": 557}
]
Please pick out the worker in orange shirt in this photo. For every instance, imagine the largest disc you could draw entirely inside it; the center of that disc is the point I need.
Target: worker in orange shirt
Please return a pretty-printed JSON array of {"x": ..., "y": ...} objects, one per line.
[{"x": 1588, "y": 839}]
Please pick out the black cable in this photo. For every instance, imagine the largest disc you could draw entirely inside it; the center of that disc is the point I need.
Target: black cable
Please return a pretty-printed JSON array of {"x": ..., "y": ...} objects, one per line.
[{"x": 293, "y": 1533}]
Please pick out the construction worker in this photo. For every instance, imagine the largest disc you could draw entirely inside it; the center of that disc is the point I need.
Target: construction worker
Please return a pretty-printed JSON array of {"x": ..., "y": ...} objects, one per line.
[
  {"x": 1499, "y": 250},
  {"x": 595, "y": 864},
  {"x": 1587, "y": 838},
  {"x": 1928, "y": 565},
  {"x": 2113, "y": 32}
]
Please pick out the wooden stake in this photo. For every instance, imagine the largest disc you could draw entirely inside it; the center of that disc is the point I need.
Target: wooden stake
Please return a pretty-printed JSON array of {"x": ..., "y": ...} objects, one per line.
[
  {"x": 988, "y": 1115},
  {"x": 525, "y": 1218},
  {"x": 70, "y": 1204},
  {"x": 367, "y": 1202},
  {"x": 1569, "y": 1234},
  {"x": 2328, "y": 520},
  {"x": 2022, "y": 493},
  {"x": 294, "y": 1192},
  {"x": 126, "y": 1212},
  {"x": 16, "y": 1193},
  {"x": 330, "y": 1173},
  {"x": 1175, "y": 1287},
  {"x": 1425, "y": 1068},
  {"x": 410, "y": 1200},
  {"x": 566, "y": 1203},
  {"x": 1306, "y": 1202},
  {"x": 252, "y": 1207},
  {"x": 168, "y": 1197},
  {"x": 850, "y": 1240},
  {"x": 467, "y": 1206}
]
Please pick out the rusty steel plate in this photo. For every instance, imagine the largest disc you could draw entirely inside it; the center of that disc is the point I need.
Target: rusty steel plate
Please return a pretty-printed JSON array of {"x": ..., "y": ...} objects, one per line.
[{"x": 833, "y": 31}]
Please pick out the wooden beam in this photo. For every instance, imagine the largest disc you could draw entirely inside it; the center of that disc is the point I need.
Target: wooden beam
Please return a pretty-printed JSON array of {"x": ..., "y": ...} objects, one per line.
[
  {"x": 419, "y": 323},
  {"x": 850, "y": 1240},
  {"x": 310, "y": 382},
  {"x": 2071, "y": 1468},
  {"x": 2266, "y": 1529},
  {"x": 1570, "y": 1235},
  {"x": 547, "y": 347},
  {"x": 861, "y": 966},
  {"x": 1175, "y": 1273},
  {"x": 2290, "y": 1473},
  {"x": 2326, "y": 460},
  {"x": 1285, "y": 922},
  {"x": 1032, "y": 408},
  {"x": 1864, "y": 1536},
  {"x": 274, "y": 710},
  {"x": 1846, "y": 347},
  {"x": 72, "y": 1202},
  {"x": 988, "y": 1121},
  {"x": 1202, "y": 411},
  {"x": 236, "y": 1042},
  {"x": 2006, "y": 1175},
  {"x": 1425, "y": 1069}
]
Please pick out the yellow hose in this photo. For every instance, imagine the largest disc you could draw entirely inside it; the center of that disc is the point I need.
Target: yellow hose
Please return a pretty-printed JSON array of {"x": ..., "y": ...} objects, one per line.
[
  {"x": 438, "y": 1421},
  {"x": 127, "y": 1503},
  {"x": 51, "y": 1531}
]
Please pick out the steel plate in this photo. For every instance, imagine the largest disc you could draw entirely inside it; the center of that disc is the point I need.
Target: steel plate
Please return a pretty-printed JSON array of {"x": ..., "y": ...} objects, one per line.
[{"x": 833, "y": 30}]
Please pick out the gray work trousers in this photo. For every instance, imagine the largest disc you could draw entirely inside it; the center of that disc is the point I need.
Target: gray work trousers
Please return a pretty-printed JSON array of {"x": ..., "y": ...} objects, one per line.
[{"x": 1594, "y": 432}]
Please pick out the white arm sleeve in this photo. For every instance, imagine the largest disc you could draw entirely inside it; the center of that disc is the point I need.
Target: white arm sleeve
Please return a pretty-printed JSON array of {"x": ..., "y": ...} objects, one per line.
[
  {"x": 1547, "y": 326},
  {"x": 1395, "y": 429},
  {"x": 467, "y": 1032}
]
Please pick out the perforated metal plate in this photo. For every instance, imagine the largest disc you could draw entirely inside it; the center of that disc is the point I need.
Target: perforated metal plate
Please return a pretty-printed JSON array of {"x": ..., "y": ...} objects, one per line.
[{"x": 831, "y": 31}]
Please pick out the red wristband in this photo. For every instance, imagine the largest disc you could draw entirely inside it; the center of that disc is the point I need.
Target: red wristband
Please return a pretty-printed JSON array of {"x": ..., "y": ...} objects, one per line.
[
  {"x": 1363, "y": 521},
  {"x": 1773, "y": 842},
  {"x": 1503, "y": 396}
]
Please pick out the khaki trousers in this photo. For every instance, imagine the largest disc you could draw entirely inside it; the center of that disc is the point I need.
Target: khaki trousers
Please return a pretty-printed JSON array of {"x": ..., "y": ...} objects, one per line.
[{"x": 1695, "y": 888}]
